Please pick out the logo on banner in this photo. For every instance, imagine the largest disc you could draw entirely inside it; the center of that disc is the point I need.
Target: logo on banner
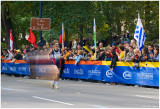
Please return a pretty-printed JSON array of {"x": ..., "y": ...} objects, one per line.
[
  {"x": 22, "y": 68},
  {"x": 147, "y": 76},
  {"x": 94, "y": 72},
  {"x": 66, "y": 71},
  {"x": 78, "y": 71},
  {"x": 4, "y": 67},
  {"x": 42, "y": 70},
  {"x": 109, "y": 74},
  {"x": 127, "y": 75},
  {"x": 12, "y": 68}
]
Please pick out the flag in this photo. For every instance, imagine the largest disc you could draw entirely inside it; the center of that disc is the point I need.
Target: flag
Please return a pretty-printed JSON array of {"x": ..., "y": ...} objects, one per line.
[
  {"x": 32, "y": 39},
  {"x": 62, "y": 37},
  {"x": 86, "y": 48},
  {"x": 139, "y": 34},
  {"x": 11, "y": 40},
  {"x": 94, "y": 34}
]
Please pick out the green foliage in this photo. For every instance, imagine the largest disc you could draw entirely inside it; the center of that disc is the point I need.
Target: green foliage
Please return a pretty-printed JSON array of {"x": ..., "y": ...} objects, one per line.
[{"x": 109, "y": 15}]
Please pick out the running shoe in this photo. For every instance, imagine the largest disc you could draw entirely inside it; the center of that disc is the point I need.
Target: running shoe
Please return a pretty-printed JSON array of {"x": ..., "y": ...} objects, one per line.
[{"x": 56, "y": 86}]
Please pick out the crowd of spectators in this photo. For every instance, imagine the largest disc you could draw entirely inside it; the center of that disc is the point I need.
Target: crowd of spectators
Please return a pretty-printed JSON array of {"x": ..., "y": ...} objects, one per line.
[{"x": 121, "y": 50}]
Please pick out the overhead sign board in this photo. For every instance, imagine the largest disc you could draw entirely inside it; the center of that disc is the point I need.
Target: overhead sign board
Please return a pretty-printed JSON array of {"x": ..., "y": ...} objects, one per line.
[{"x": 40, "y": 23}]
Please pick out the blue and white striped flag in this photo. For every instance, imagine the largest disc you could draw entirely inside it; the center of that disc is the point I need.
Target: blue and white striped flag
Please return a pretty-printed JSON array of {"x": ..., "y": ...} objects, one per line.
[{"x": 139, "y": 34}]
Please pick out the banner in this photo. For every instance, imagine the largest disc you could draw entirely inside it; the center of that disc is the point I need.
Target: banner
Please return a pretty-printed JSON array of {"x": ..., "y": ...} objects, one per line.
[
  {"x": 15, "y": 68},
  {"x": 124, "y": 72},
  {"x": 84, "y": 70}
]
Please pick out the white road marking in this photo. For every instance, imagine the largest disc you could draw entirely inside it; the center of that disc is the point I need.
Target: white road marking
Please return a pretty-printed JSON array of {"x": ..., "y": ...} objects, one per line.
[
  {"x": 147, "y": 97},
  {"x": 97, "y": 106},
  {"x": 6, "y": 88},
  {"x": 52, "y": 100}
]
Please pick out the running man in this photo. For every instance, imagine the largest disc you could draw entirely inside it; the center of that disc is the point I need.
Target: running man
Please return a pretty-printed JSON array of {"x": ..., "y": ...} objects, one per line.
[{"x": 56, "y": 55}]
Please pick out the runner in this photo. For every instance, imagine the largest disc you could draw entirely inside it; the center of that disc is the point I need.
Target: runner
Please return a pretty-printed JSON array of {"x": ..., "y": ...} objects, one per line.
[{"x": 56, "y": 55}]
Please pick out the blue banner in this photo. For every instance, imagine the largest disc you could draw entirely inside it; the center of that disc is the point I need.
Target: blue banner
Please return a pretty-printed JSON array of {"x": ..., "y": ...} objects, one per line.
[
  {"x": 15, "y": 68},
  {"x": 44, "y": 70},
  {"x": 148, "y": 76},
  {"x": 82, "y": 71},
  {"x": 130, "y": 75}
]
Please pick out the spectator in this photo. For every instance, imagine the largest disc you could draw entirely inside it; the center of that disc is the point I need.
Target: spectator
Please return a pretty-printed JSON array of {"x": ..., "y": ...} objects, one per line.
[
  {"x": 114, "y": 60},
  {"x": 121, "y": 55},
  {"x": 155, "y": 57},
  {"x": 102, "y": 55},
  {"x": 151, "y": 51},
  {"x": 85, "y": 55},
  {"x": 74, "y": 44},
  {"x": 144, "y": 56},
  {"x": 41, "y": 43},
  {"x": 107, "y": 55},
  {"x": 133, "y": 43},
  {"x": 26, "y": 56},
  {"x": 126, "y": 44},
  {"x": 10, "y": 56},
  {"x": 80, "y": 56},
  {"x": 78, "y": 47},
  {"x": 136, "y": 58},
  {"x": 114, "y": 48},
  {"x": 66, "y": 56},
  {"x": 101, "y": 46},
  {"x": 18, "y": 56},
  {"x": 129, "y": 54},
  {"x": 5, "y": 53},
  {"x": 125, "y": 54},
  {"x": 93, "y": 57},
  {"x": 97, "y": 52}
]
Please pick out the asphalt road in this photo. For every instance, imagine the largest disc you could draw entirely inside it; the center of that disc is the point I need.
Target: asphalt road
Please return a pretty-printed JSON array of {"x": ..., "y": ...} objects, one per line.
[{"x": 19, "y": 92}]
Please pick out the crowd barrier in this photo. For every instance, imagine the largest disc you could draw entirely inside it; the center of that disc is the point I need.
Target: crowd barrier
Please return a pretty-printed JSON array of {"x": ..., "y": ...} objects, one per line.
[
  {"x": 124, "y": 72},
  {"x": 19, "y": 67}
]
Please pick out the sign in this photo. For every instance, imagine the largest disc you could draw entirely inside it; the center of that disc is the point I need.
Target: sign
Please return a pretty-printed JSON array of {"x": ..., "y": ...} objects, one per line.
[
  {"x": 15, "y": 68},
  {"x": 126, "y": 74},
  {"x": 40, "y": 23}
]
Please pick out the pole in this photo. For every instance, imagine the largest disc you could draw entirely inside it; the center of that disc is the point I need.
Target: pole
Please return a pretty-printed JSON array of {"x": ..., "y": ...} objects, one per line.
[
  {"x": 40, "y": 11},
  {"x": 62, "y": 36}
]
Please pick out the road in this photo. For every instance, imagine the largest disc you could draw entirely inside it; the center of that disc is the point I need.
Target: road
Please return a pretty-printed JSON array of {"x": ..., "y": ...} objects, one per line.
[{"x": 19, "y": 92}]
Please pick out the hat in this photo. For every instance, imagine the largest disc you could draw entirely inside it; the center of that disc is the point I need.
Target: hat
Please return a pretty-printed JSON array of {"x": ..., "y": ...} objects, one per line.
[
  {"x": 114, "y": 43},
  {"x": 18, "y": 51}
]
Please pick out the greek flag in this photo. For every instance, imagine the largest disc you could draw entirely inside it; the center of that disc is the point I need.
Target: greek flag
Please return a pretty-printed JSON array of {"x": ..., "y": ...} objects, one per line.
[{"x": 139, "y": 34}]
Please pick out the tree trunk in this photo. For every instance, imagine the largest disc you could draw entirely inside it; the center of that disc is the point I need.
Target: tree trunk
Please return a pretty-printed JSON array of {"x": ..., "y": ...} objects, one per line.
[
  {"x": 7, "y": 26},
  {"x": 81, "y": 33},
  {"x": 66, "y": 38}
]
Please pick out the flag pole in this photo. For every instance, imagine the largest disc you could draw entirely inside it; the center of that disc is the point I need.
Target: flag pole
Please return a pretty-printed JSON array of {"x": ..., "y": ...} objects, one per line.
[
  {"x": 94, "y": 33},
  {"x": 62, "y": 36}
]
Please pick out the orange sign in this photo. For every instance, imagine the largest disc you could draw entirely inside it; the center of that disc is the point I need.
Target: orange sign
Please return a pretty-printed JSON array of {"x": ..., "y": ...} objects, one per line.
[{"x": 40, "y": 23}]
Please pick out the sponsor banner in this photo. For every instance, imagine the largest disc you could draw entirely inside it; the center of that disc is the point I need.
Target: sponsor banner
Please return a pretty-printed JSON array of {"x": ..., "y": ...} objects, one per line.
[
  {"x": 92, "y": 72},
  {"x": 44, "y": 70},
  {"x": 15, "y": 68},
  {"x": 121, "y": 74},
  {"x": 131, "y": 75}
]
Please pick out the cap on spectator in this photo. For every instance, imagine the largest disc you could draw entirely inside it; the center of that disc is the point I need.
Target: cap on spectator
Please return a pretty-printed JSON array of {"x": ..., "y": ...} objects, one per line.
[
  {"x": 114, "y": 43},
  {"x": 18, "y": 51}
]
